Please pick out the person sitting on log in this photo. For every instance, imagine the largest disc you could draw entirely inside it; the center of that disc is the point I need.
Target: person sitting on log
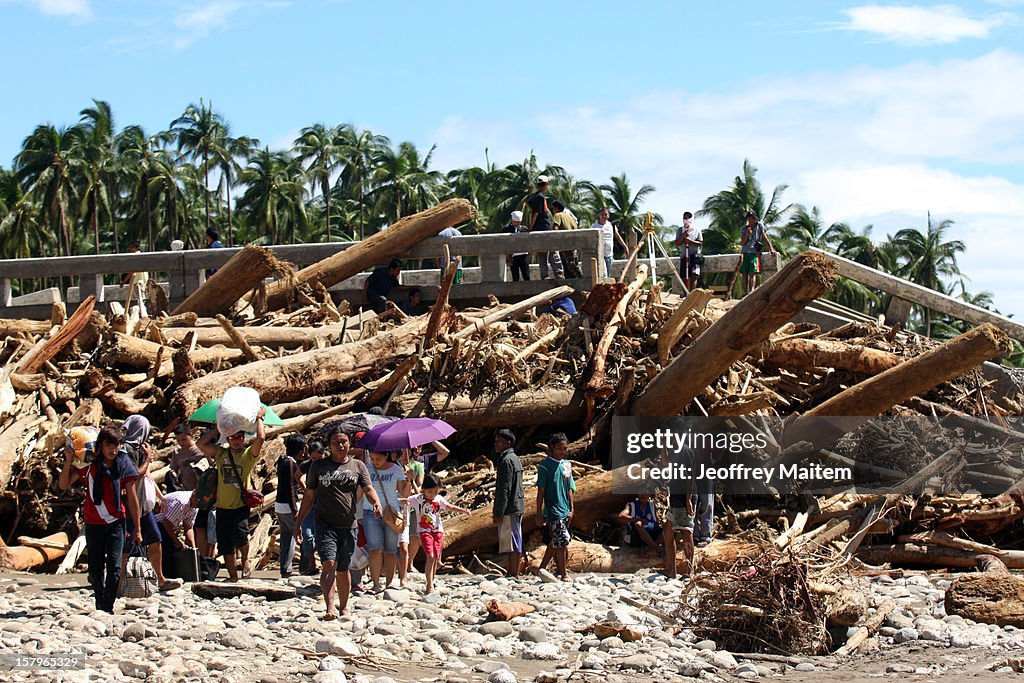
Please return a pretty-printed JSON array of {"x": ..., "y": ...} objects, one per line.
[
  {"x": 555, "y": 497},
  {"x": 110, "y": 480},
  {"x": 332, "y": 488},
  {"x": 509, "y": 500},
  {"x": 380, "y": 283},
  {"x": 641, "y": 520},
  {"x": 234, "y": 475}
]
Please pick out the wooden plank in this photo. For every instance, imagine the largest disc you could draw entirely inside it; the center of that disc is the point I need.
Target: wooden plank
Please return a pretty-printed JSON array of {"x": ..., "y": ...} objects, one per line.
[{"x": 922, "y": 295}]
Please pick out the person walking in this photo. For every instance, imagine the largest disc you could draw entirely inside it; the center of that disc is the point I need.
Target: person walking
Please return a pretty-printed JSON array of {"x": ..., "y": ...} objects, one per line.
[
  {"x": 289, "y": 483},
  {"x": 183, "y": 474},
  {"x": 307, "y": 551},
  {"x": 509, "y": 500},
  {"x": 389, "y": 482},
  {"x": 409, "y": 542},
  {"x": 555, "y": 497},
  {"x": 332, "y": 491},
  {"x": 426, "y": 508},
  {"x": 234, "y": 476},
  {"x": 110, "y": 483}
]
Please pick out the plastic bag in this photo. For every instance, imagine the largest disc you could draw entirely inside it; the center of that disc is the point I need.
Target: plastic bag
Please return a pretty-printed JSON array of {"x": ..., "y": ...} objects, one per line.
[
  {"x": 237, "y": 411},
  {"x": 360, "y": 559}
]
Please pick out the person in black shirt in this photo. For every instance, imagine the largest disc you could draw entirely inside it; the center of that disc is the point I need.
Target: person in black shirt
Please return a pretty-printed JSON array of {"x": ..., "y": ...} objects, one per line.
[
  {"x": 540, "y": 220},
  {"x": 380, "y": 283},
  {"x": 289, "y": 482}
]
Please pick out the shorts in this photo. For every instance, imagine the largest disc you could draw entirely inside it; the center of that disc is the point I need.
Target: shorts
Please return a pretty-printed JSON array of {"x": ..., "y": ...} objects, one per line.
[
  {"x": 510, "y": 534},
  {"x": 432, "y": 542},
  {"x": 202, "y": 519},
  {"x": 559, "y": 530},
  {"x": 634, "y": 538},
  {"x": 150, "y": 529},
  {"x": 379, "y": 536},
  {"x": 232, "y": 529},
  {"x": 751, "y": 263},
  {"x": 336, "y": 544},
  {"x": 682, "y": 520}
]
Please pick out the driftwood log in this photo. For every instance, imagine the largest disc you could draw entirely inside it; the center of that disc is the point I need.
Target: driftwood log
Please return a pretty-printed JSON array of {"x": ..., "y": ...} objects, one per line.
[
  {"x": 745, "y": 325},
  {"x": 373, "y": 250},
  {"x": 241, "y": 274},
  {"x": 22, "y": 558},
  {"x": 528, "y": 407}
]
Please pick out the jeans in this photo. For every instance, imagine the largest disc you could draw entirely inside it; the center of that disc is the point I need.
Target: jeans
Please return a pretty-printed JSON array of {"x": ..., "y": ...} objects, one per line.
[
  {"x": 607, "y": 266},
  {"x": 306, "y": 559},
  {"x": 286, "y": 520},
  {"x": 379, "y": 536},
  {"x": 552, "y": 258},
  {"x": 105, "y": 543},
  {"x": 704, "y": 509}
]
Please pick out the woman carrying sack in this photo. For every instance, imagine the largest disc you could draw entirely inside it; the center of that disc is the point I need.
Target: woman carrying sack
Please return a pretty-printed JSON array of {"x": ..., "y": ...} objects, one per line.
[{"x": 384, "y": 532}]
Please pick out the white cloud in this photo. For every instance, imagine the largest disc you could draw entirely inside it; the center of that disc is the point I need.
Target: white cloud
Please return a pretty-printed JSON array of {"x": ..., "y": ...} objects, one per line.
[
  {"x": 918, "y": 25},
  {"x": 198, "y": 19},
  {"x": 866, "y": 145},
  {"x": 75, "y": 9}
]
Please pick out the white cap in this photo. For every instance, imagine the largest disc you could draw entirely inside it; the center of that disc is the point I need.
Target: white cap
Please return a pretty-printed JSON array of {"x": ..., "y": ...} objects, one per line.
[
  {"x": 542, "y": 179},
  {"x": 177, "y": 245},
  {"x": 517, "y": 215}
]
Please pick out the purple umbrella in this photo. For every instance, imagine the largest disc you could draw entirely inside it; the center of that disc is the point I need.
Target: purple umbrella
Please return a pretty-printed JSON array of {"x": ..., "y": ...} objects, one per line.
[{"x": 407, "y": 433}]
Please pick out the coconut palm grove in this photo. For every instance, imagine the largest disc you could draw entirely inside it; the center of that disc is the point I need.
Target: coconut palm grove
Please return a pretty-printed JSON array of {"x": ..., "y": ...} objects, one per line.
[{"x": 92, "y": 186}]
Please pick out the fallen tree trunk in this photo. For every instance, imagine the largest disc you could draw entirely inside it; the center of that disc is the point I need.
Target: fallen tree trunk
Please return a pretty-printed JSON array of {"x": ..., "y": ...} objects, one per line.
[
  {"x": 263, "y": 589},
  {"x": 531, "y": 407},
  {"x": 22, "y": 558},
  {"x": 16, "y": 327},
  {"x": 932, "y": 556},
  {"x": 241, "y": 274},
  {"x": 672, "y": 330},
  {"x": 301, "y": 375},
  {"x": 746, "y": 324},
  {"x": 46, "y": 350},
  {"x": 594, "y": 557},
  {"x": 142, "y": 353},
  {"x": 595, "y": 502},
  {"x": 287, "y": 337},
  {"x": 824, "y": 353},
  {"x": 374, "y": 250}
]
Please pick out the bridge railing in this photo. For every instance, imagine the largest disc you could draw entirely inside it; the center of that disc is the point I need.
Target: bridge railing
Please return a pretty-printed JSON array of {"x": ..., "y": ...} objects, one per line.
[{"x": 185, "y": 270}]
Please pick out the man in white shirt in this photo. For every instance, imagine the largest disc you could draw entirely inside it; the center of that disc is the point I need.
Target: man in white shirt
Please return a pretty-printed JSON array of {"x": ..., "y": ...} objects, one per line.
[
  {"x": 689, "y": 241},
  {"x": 609, "y": 235}
]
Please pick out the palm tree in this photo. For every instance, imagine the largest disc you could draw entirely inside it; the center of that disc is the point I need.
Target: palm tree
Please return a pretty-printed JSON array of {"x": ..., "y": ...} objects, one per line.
[
  {"x": 97, "y": 149},
  {"x": 806, "y": 229},
  {"x": 274, "y": 191},
  {"x": 402, "y": 183},
  {"x": 226, "y": 156},
  {"x": 624, "y": 206},
  {"x": 925, "y": 258},
  {"x": 49, "y": 168},
  {"x": 728, "y": 208},
  {"x": 200, "y": 134},
  {"x": 321, "y": 148},
  {"x": 360, "y": 148},
  {"x": 510, "y": 187}
]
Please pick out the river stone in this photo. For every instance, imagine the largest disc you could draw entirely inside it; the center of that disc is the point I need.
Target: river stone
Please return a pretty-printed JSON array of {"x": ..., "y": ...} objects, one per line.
[
  {"x": 497, "y": 629},
  {"x": 238, "y": 638},
  {"x": 543, "y": 652},
  {"x": 330, "y": 677},
  {"x": 489, "y": 666},
  {"x": 533, "y": 634},
  {"x": 337, "y": 645},
  {"x": 134, "y": 633},
  {"x": 502, "y": 676},
  {"x": 332, "y": 663}
]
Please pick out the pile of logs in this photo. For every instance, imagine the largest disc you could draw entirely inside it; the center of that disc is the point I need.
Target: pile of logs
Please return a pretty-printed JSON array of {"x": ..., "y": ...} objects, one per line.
[{"x": 629, "y": 351}]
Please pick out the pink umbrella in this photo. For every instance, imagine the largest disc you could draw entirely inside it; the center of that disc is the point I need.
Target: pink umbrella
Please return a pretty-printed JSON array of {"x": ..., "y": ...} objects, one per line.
[{"x": 407, "y": 433}]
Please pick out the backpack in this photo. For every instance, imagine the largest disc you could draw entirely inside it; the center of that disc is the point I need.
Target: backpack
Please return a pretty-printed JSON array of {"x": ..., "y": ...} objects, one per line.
[
  {"x": 139, "y": 578},
  {"x": 205, "y": 495}
]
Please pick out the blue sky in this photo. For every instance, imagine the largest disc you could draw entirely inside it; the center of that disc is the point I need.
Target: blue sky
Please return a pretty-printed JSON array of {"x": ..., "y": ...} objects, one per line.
[{"x": 876, "y": 113}]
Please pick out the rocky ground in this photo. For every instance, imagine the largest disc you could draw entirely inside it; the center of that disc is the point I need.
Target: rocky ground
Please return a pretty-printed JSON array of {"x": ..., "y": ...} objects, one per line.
[{"x": 403, "y": 636}]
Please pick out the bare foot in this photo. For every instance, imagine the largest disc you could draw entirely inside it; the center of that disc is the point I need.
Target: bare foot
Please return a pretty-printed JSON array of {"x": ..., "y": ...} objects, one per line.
[{"x": 330, "y": 616}]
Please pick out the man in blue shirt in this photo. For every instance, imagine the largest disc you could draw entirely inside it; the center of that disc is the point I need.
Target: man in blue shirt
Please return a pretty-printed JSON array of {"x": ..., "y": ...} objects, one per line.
[
  {"x": 380, "y": 283},
  {"x": 555, "y": 498}
]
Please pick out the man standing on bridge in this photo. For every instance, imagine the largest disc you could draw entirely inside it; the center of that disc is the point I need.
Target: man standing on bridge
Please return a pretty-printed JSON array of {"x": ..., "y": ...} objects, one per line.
[
  {"x": 540, "y": 221},
  {"x": 754, "y": 237}
]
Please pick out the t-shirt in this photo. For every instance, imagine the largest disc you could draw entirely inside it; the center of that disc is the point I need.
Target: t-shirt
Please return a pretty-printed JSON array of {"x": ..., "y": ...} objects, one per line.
[
  {"x": 336, "y": 486},
  {"x": 565, "y": 221},
  {"x": 645, "y": 513},
  {"x": 521, "y": 229},
  {"x": 607, "y": 236},
  {"x": 538, "y": 204},
  {"x": 757, "y": 232},
  {"x": 287, "y": 486},
  {"x": 182, "y": 461},
  {"x": 418, "y": 471},
  {"x": 555, "y": 477},
  {"x": 380, "y": 282},
  {"x": 113, "y": 480},
  {"x": 564, "y": 304},
  {"x": 229, "y": 489},
  {"x": 694, "y": 234},
  {"x": 385, "y": 482},
  {"x": 427, "y": 512},
  {"x": 450, "y": 232},
  {"x": 429, "y": 460}
]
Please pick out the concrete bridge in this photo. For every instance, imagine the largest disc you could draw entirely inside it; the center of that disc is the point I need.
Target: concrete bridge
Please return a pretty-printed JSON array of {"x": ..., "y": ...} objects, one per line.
[{"x": 182, "y": 272}]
